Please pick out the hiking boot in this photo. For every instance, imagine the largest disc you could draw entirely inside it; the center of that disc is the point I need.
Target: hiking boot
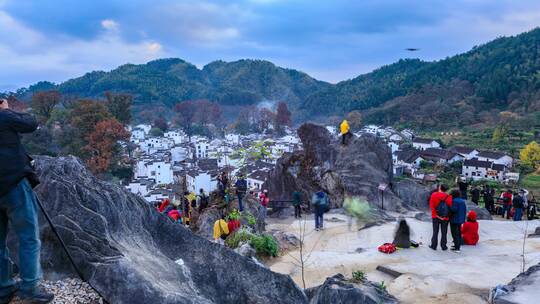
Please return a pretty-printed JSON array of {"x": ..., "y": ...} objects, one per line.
[
  {"x": 35, "y": 296},
  {"x": 444, "y": 248},
  {"x": 433, "y": 248},
  {"x": 456, "y": 250},
  {"x": 10, "y": 293}
]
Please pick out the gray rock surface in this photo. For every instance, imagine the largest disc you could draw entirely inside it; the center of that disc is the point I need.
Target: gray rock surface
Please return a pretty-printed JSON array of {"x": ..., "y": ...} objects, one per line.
[
  {"x": 337, "y": 290},
  {"x": 413, "y": 194},
  {"x": 286, "y": 241},
  {"x": 481, "y": 213},
  {"x": 246, "y": 250},
  {"x": 132, "y": 254},
  {"x": 356, "y": 169},
  {"x": 523, "y": 289}
]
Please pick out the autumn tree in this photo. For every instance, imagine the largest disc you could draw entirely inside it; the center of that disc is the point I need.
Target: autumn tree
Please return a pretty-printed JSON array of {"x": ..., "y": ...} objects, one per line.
[
  {"x": 355, "y": 119},
  {"x": 283, "y": 116},
  {"x": 103, "y": 144},
  {"x": 43, "y": 103},
  {"x": 264, "y": 119},
  {"x": 120, "y": 106},
  {"x": 161, "y": 124},
  {"x": 84, "y": 117},
  {"x": 530, "y": 155},
  {"x": 185, "y": 115}
]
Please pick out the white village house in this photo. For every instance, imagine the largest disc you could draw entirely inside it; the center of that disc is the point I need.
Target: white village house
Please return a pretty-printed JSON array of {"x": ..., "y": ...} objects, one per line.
[{"x": 424, "y": 143}]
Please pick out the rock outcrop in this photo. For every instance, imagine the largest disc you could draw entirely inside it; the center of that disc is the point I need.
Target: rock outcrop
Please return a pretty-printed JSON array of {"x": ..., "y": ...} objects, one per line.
[
  {"x": 337, "y": 290},
  {"x": 355, "y": 169},
  {"x": 523, "y": 288},
  {"x": 132, "y": 254}
]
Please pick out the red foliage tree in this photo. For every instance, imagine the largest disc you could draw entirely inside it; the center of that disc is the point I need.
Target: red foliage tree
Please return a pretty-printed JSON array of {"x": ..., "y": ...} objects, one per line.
[
  {"x": 43, "y": 103},
  {"x": 103, "y": 143},
  {"x": 283, "y": 115},
  {"x": 161, "y": 124}
]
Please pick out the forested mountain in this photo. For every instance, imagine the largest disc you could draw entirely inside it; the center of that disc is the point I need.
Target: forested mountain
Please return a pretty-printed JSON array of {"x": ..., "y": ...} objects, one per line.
[
  {"x": 471, "y": 88},
  {"x": 169, "y": 81}
]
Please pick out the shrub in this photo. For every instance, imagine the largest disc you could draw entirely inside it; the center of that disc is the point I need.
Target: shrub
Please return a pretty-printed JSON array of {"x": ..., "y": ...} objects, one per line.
[
  {"x": 358, "y": 276},
  {"x": 240, "y": 236},
  {"x": 233, "y": 216},
  {"x": 265, "y": 245},
  {"x": 251, "y": 221},
  {"x": 381, "y": 286}
]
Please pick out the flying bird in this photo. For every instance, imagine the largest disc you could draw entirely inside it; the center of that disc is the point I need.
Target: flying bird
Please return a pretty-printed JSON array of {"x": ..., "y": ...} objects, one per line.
[{"x": 412, "y": 49}]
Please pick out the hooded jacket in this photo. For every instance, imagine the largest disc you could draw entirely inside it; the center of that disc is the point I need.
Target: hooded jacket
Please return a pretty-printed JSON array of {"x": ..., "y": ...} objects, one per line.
[
  {"x": 14, "y": 161},
  {"x": 344, "y": 127},
  {"x": 469, "y": 230},
  {"x": 459, "y": 210},
  {"x": 220, "y": 229}
]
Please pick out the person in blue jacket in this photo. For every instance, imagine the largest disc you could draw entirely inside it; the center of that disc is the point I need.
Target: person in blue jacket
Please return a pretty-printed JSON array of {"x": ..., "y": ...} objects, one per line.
[{"x": 458, "y": 211}]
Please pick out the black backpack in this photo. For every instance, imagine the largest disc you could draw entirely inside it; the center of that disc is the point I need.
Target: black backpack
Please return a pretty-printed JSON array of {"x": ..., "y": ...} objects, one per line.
[{"x": 442, "y": 208}]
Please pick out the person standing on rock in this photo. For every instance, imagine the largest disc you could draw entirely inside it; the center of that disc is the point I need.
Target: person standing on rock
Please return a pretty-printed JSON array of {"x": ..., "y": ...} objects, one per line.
[
  {"x": 489, "y": 201},
  {"x": 475, "y": 195},
  {"x": 241, "y": 189},
  {"x": 440, "y": 215},
  {"x": 297, "y": 202},
  {"x": 18, "y": 205},
  {"x": 320, "y": 203},
  {"x": 463, "y": 186},
  {"x": 344, "y": 131},
  {"x": 457, "y": 218},
  {"x": 264, "y": 199}
]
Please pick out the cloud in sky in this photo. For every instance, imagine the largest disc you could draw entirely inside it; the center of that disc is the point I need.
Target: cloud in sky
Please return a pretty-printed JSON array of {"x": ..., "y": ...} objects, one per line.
[{"x": 331, "y": 40}]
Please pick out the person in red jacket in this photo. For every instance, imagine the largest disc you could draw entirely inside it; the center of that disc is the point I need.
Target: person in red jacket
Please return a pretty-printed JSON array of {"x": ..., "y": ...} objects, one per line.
[
  {"x": 163, "y": 205},
  {"x": 469, "y": 230},
  {"x": 507, "y": 198},
  {"x": 440, "y": 222}
]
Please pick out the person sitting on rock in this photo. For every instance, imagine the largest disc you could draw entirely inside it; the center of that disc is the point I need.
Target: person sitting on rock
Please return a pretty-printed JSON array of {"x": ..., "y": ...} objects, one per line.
[
  {"x": 402, "y": 236},
  {"x": 19, "y": 208},
  {"x": 221, "y": 230},
  {"x": 344, "y": 131},
  {"x": 469, "y": 230}
]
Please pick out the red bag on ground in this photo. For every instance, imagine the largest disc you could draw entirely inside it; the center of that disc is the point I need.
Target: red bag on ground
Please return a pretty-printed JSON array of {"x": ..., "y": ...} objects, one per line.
[{"x": 387, "y": 248}]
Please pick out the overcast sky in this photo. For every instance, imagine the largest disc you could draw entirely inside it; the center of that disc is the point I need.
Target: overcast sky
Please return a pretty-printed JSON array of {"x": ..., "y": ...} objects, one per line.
[{"x": 331, "y": 40}]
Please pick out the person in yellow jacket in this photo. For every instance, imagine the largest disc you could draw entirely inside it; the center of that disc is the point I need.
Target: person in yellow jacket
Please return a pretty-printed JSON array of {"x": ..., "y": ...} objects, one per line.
[
  {"x": 221, "y": 231},
  {"x": 344, "y": 128}
]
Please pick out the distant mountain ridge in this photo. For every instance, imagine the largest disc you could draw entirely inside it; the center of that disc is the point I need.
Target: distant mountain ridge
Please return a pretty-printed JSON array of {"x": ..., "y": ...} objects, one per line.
[{"x": 503, "y": 74}]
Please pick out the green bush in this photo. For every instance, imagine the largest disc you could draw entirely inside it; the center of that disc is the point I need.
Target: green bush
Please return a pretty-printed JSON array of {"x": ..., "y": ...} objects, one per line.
[
  {"x": 233, "y": 216},
  {"x": 265, "y": 245},
  {"x": 250, "y": 219},
  {"x": 358, "y": 276},
  {"x": 240, "y": 236}
]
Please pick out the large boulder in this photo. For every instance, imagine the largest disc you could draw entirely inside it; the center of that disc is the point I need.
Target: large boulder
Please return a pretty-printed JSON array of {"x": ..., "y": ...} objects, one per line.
[
  {"x": 355, "y": 169},
  {"x": 338, "y": 290},
  {"x": 523, "y": 288},
  {"x": 132, "y": 254},
  {"x": 413, "y": 194},
  {"x": 481, "y": 213}
]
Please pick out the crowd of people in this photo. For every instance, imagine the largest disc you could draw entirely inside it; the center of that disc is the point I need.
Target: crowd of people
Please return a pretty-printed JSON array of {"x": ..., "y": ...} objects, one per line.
[{"x": 509, "y": 204}]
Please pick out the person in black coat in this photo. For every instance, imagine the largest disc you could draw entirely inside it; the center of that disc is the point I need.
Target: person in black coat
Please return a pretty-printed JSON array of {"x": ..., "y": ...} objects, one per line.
[
  {"x": 475, "y": 195},
  {"x": 18, "y": 206}
]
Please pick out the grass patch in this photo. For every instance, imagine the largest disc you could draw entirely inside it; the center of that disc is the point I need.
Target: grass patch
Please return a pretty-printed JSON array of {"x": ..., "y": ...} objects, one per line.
[{"x": 531, "y": 182}]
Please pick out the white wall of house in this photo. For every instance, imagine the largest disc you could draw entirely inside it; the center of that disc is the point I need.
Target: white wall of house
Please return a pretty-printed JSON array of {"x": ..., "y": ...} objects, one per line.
[
  {"x": 160, "y": 171},
  {"x": 233, "y": 139},
  {"x": 200, "y": 181},
  {"x": 201, "y": 149},
  {"x": 254, "y": 183},
  {"x": 177, "y": 137},
  {"x": 137, "y": 135},
  {"x": 481, "y": 173},
  {"x": 179, "y": 153},
  {"x": 423, "y": 146},
  {"x": 146, "y": 128}
]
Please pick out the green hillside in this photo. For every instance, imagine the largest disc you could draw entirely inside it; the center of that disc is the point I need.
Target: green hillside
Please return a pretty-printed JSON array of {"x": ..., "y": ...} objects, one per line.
[{"x": 470, "y": 89}]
